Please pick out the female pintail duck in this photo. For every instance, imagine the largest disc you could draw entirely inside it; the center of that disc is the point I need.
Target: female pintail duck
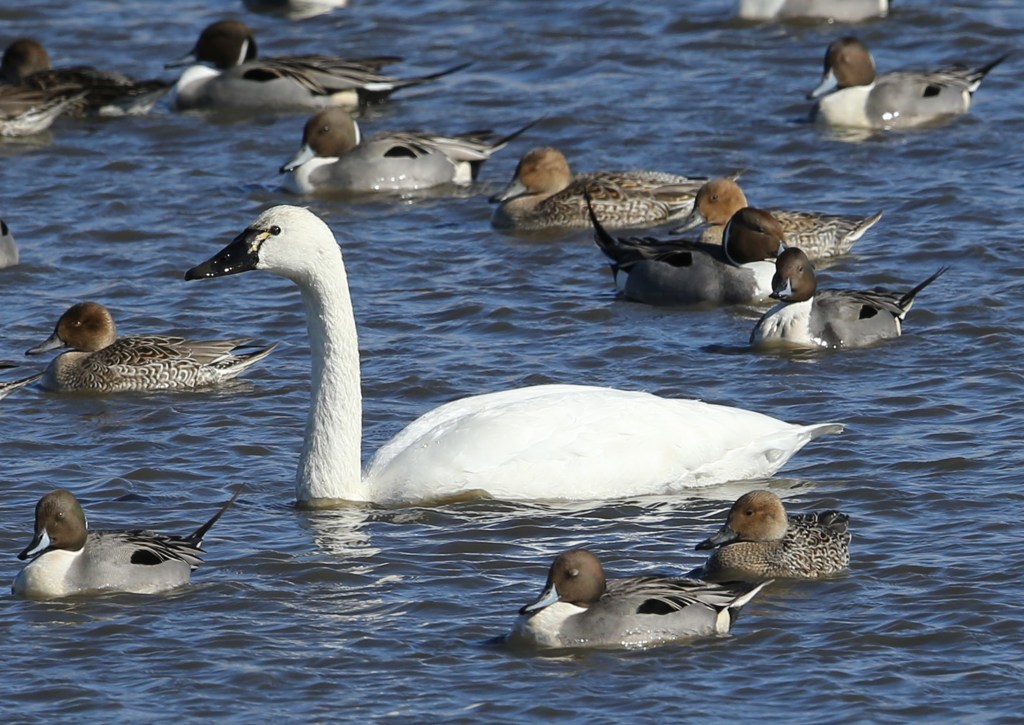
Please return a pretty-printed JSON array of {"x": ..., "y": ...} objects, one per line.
[
  {"x": 839, "y": 11},
  {"x": 68, "y": 559},
  {"x": 25, "y": 111},
  {"x": 760, "y": 541},
  {"x": 104, "y": 93},
  {"x": 679, "y": 272},
  {"x": 335, "y": 156},
  {"x": 8, "y": 248},
  {"x": 229, "y": 77},
  {"x": 821, "y": 236},
  {"x": 806, "y": 317},
  {"x": 851, "y": 94},
  {"x": 579, "y": 608},
  {"x": 545, "y": 194},
  {"x": 101, "y": 362},
  {"x": 541, "y": 442}
]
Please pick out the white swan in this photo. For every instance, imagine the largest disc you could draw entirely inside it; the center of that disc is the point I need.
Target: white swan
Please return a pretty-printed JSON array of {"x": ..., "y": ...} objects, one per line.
[{"x": 543, "y": 442}]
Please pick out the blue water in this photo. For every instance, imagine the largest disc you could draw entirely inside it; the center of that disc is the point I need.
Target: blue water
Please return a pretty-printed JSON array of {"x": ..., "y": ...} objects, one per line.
[{"x": 393, "y": 615}]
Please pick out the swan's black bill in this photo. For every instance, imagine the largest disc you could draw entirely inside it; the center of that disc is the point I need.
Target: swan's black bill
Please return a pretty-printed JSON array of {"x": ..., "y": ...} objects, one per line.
[{"x": 241, "y": 255}]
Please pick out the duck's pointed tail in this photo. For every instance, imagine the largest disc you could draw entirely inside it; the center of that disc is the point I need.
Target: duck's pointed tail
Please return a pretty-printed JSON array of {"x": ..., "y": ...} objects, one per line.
[
  {"x": 728, "y": 613},
  {"x": 907, "y": 300},
  {"x": 196, "y": 537}
]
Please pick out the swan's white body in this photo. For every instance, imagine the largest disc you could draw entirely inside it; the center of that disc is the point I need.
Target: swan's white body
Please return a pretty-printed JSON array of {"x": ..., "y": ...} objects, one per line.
[{"x": 543, "y": 442}]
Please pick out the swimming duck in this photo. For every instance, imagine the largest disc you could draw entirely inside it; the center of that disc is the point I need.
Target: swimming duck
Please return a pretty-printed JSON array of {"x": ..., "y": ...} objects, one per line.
[
  {"x": 233, "y": 79},
  {"x": 851, "y": 94},
  {"x": 25, "y": 111},
  {"x": 760, "y": 541},
  {"x": 68, "y": 559},
  {"x": 26, "y": 62},
  {"x": 821, "y": 236},
  {"x": 545, "y": 194},
  {"x": 101, "y": 362},
  {"x": 806, "y": 317},
  {"x": 334, "y": 155},
  {"x": 540, "y": 442},
  {"x": 579, "y": 608},
  {"x": 680, "y": 272}
]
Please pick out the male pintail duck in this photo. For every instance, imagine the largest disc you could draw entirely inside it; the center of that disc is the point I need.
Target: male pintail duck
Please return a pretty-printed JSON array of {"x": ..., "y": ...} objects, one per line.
[
  {"x": 536, "y": 442},
  {"x": 68, "y": 559},
  {"x": 230, "y": 78},
  {"x": 104, "y": 93},
  {"x": 806, "y": 317},
  {"x": 821, "y": 236},
  {"x": 335, "y": 156},
  {"x": 579, "y": 608},
  {"x": 851, "y": 94},
  {"x": 838, "y": 11},
  {"x": 25, "y": 111},
  {"x": 680, "y": 272},
  {"x": 760, "y": 541},
  {"x": 101, "y": 362},
  {"x": 545, "y": 194},
  {"x": 8, "y": 248}
]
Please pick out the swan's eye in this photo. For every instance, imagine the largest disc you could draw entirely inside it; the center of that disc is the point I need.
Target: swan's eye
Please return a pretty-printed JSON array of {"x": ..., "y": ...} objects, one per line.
[{"x": 275, "y": 230}]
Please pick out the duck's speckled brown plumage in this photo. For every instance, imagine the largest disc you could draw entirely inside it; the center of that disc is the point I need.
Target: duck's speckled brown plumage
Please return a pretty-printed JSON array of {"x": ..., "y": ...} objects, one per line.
[
  {"x": 545, "y": 194},
  {"x": 760, "y": 541},
  {"x": 821, "y": 236},
  {"x": 101, "y": 362}
]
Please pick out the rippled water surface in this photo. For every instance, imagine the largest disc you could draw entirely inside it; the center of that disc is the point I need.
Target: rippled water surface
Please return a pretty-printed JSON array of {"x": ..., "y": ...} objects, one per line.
[{"x": 374, "y": 614}]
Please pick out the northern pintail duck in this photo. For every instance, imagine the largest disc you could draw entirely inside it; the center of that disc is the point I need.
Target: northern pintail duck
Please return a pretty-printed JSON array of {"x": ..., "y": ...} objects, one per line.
[
  {"x": 25, "y": 111},
  {"x": 230, "y": 77},
  {"x": 68, "y": 559},
  {"x": 545, "y": 194},
  {"x": 806, "y": 317},
  {"x": 99, "y": 361},
  {"x": 335, "y": 156},
  {"x": 760, "y": 541},
  {"x": 680, "y": 272},
  {"x": 840, "y": 11},
  {"x": 580, "y": 608},
  {"x": 26, "y": 62},
  {"x": 544, "y": 441},
  {"x": 820, "y": 235},
  {"x": 8, "y": 248},
  {"x": 851, "y": 94}
]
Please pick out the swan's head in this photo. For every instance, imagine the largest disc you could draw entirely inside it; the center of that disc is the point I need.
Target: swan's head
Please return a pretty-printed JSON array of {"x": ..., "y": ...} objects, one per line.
[{"x": 289, "y": 241}]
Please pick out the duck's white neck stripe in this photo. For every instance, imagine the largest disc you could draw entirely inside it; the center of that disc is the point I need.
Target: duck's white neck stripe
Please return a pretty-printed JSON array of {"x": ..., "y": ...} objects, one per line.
[{"x": 242, "y": 52}]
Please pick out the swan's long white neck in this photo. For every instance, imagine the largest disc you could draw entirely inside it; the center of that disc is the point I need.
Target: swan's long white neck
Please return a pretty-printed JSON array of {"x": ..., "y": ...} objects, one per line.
[{"x": 330, "y": 466}]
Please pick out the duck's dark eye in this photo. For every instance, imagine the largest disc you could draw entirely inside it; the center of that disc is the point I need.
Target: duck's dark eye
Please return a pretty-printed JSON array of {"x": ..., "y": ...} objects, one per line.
[
  {"x": 275, "y": 230},
  {"x": 748, "y": 512},
  {"x": 60, "y": 515}
]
